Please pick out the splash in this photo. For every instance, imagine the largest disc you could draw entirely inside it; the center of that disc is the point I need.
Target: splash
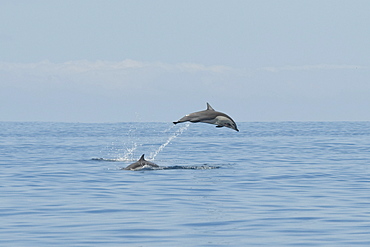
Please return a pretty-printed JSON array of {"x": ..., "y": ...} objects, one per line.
[
  {"x": 129, "y": 154},
  {"x": 173, "y": 136}
]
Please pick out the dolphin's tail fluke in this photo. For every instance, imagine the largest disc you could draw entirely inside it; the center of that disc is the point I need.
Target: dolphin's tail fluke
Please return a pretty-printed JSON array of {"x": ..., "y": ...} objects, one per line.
[{"x": 175, "y": 122}]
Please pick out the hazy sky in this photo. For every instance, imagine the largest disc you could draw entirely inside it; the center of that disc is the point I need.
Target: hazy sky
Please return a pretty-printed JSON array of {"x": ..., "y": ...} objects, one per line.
[{"x": 117, "y": 61}]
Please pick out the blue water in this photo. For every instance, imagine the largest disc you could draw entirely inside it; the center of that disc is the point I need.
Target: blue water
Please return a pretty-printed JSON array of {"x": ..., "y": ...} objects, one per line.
[{"x": 274, "y": 184}]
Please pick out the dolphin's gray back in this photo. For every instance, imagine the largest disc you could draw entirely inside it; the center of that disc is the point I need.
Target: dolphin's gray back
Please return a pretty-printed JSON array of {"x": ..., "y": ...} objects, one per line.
[
  {"x": 140, "y": 163},
  {"x": 202, "y": 116},
  {"x": 135, "y": 165}
]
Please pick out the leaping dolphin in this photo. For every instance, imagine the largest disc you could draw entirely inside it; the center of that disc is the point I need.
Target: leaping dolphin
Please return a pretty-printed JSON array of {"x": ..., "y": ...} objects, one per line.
[
  {"x": 210, "y": 116},
  {"x": 140, "y": 164}
]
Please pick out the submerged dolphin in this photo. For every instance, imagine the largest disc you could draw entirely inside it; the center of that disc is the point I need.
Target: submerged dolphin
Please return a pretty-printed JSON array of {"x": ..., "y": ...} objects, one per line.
[
  {"x": 140, "y": 164},
  {"x": 210, "y": 116}
]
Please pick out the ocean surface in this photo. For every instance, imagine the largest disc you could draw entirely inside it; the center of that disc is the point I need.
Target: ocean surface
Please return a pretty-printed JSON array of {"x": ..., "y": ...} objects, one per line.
[{"x": 271, "y": 184}]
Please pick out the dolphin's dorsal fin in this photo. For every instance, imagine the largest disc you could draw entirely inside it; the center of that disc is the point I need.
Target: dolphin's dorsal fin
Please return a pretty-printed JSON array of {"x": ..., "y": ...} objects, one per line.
[
  {"x": 142, "y": 158},
  {"x": 209, "y": 107}
]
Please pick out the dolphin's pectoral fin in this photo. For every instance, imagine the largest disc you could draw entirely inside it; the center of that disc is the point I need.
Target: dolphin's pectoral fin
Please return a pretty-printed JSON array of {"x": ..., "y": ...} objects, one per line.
[{"x": 219, "y": 126}]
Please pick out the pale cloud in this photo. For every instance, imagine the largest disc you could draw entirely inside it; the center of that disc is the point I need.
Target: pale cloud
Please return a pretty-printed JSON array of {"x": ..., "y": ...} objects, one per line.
[
  {"x": 96, "y": 90},
  {"x": 128, "y": 66},
  {"x": 128, "y": 77},
  {"x": 83, "y": 66},
  {"x": 127, "y": 74},
  {"x": 313, "y": 67},
  {"x": 192, "y": 67},
  {"x": 157, "y": 79}
]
